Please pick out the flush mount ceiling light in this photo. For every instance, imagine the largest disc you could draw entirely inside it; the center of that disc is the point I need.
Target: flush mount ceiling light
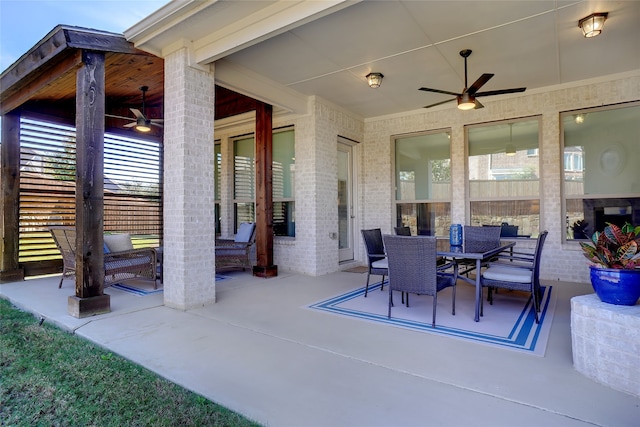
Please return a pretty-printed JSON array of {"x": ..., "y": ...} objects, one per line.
[
  {"x": 592, "y": 25},
  {"x": 374, "y": 80},
  {"x": 579, "y": 118}
]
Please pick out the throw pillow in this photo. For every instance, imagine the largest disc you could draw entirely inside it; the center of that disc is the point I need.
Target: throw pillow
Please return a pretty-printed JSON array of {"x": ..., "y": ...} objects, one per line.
[{"x": 118, "y": 242}]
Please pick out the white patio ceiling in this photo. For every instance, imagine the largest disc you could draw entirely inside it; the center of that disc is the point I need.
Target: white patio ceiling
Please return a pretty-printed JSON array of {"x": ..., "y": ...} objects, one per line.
[{"x": 282, "y": 51}]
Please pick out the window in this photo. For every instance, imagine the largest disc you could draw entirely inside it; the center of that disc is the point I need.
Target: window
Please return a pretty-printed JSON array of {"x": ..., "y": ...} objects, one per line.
[
  {"x": 423, "y": 183},
  {"x": 283, "y": 170},
  {"x": 217, "y": 171},
  {"x": 601, "y": 175},
  {"x": 132, "y": 188},
  {"x": 504, "y": 174}
]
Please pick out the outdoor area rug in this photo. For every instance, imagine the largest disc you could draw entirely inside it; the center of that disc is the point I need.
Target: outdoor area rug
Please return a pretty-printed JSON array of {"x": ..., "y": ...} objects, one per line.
[
  {"x": 509, "y": 323},
  {"x": 145, "y": 287},
  {"x": 138, "y": 287}
]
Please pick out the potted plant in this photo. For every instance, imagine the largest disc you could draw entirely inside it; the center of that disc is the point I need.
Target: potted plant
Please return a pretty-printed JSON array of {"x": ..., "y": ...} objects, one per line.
[{"x": 615, "y": 257}]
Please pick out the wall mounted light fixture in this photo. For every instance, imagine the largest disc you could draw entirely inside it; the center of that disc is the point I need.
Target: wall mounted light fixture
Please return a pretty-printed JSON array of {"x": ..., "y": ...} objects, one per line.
[
  {"x": 592, "y": 24},
  {"x": 374, "y": 80}
]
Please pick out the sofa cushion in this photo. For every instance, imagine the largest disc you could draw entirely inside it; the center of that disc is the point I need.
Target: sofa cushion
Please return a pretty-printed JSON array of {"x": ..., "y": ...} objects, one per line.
[{"x": 118, "y": 242}]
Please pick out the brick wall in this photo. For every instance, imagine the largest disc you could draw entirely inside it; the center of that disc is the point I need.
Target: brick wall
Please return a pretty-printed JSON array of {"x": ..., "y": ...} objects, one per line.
[
  {"x": 605, "y": 340},
  {"x": 189, "y": 228}
]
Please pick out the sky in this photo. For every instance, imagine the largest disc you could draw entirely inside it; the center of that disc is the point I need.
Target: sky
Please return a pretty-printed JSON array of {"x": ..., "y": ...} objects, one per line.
[{"x": 23, "y": 23}]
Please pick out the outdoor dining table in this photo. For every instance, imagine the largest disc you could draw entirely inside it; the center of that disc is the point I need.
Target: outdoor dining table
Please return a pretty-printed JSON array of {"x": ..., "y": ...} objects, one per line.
[{"x": 457, "y": 252}]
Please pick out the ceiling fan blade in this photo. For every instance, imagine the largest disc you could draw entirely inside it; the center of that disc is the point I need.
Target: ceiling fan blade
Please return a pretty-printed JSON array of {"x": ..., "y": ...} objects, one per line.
[
  {"x": 501, "y": 91},
  {"x": 441, "y": 102},
  {"x": 478, "y": 104},
  {"x": 113, "y": 116},
  {"x": 130, "y": 125},
  {"x": 157, "y": 120},
  {"x": 153, "y": 123},
  {"x": 426, "y": 89},
  {"x": 479, "y": 83},
  {"x": 137, "y": 113}
]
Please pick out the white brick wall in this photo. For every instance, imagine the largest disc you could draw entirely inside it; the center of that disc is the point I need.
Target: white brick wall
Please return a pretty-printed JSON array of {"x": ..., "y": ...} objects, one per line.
[
  {"x": 605, "y": 341},
  {"x": 313, "y": 252},
  {"x": 189, "y": 229},
  {"x": 561, "y": 261}
]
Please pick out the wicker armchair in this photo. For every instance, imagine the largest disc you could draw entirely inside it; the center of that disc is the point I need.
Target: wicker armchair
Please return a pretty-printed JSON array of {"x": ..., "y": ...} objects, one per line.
[
  {"x": 236, "y": 253},
  {"x": 413, "y": 269},
  {"x": 119, "y": 266}
]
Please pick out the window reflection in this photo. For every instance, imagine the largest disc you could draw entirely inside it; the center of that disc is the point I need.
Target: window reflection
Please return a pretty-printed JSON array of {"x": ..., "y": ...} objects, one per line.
[
  {"x": 423, "y": 183},
  {"x": 600, "y": 168},
  {"x": 504, "y": 175}
]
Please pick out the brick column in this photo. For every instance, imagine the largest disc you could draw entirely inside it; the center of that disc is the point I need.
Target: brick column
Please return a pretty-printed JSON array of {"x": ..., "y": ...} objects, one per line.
[{"x": 189, "y": 223}]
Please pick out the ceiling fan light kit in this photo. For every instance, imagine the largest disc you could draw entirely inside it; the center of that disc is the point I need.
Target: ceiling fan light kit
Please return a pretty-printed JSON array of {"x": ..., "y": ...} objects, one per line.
[
  {"x": 592, "y": 25},
  {"x": 467, "y": 100},
  {"x": 142, "y": 125}
]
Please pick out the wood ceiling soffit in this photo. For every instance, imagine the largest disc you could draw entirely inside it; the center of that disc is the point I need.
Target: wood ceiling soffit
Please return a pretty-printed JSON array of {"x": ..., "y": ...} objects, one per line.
[
  {"x": 39, "y": 81},
  {"x": 230, "y": 103}
]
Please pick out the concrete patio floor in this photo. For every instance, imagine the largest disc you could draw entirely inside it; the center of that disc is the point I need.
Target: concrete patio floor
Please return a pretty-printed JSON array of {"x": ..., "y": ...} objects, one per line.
[{"x": 260, "y": 352}]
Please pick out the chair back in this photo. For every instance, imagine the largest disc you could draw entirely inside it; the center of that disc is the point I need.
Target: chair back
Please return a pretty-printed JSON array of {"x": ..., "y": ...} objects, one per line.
[
  {"x": 507, "y": 230},
  {"x": 412, "y": 263},
  {"x": 480, "y": 239},
  {"x": 402, "y": 231},
  {"x": 245, "y": 232},
  {"x": 374, "y": 244},
  {"x": 536, "y": 259},
  {"x": 65, "y": 240}
]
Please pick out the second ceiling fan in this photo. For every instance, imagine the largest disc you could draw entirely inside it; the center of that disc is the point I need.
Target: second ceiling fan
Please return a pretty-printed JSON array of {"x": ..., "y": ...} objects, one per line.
[
  {"x": 467, "y": 99},
  {"x": 141, "y": 122}
]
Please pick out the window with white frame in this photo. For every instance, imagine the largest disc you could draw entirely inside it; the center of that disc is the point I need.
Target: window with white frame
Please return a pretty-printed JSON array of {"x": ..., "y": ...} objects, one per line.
[
  {"x": 283, "y": 179},
  {"x": 217, "y": 171},
  {"x": 601, "y": 177},
  {"x": 423, "y": 182},
  {"x": 503, "y": 167}
]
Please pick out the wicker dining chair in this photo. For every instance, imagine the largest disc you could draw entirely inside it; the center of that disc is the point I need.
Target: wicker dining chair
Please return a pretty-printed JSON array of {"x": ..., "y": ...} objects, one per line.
[
  {"x": 376, "y": 257},
  {"x": 413, "y": 270},
  {"x": 516, "y": 272},
  {"x": 402, "y": 231}
]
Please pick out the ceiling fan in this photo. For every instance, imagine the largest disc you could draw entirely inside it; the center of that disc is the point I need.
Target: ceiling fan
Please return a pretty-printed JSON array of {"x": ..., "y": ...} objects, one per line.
[
  {"x": 141, "y": 122},
  {"x": 467, "y": 99}
]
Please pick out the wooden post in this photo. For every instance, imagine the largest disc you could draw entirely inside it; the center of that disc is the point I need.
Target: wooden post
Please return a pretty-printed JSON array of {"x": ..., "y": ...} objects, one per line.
[
  {"x": 90, "y": 109},
  {"x": 10, "y": 198},
  {"x": 264, "y": 192}
]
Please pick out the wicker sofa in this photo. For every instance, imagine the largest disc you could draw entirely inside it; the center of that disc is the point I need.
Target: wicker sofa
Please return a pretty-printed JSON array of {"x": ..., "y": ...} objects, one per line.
[{"x": 122, "y": 263}]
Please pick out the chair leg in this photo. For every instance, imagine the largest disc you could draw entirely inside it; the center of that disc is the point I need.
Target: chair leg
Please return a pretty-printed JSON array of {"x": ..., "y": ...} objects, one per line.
[
  {"x": 61, "y": 279},
  {"x": 390, "y": 303},
  {"x": 407, "y": 299},
  {"x": 382, "y": 283},
  {"x": 435, "y": 304},
  {"x": 366, "y": 289},
  {"x": 453, "y": 301},
  {"x": 482, "y": 301}
]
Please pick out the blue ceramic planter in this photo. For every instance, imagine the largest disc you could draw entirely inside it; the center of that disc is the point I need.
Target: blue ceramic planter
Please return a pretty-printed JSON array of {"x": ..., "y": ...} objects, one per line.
[{"x": 614, "y": 286}]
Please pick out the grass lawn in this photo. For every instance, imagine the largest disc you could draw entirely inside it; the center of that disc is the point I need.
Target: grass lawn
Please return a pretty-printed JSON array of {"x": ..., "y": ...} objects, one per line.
[{"x": 53, "y": 378}]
